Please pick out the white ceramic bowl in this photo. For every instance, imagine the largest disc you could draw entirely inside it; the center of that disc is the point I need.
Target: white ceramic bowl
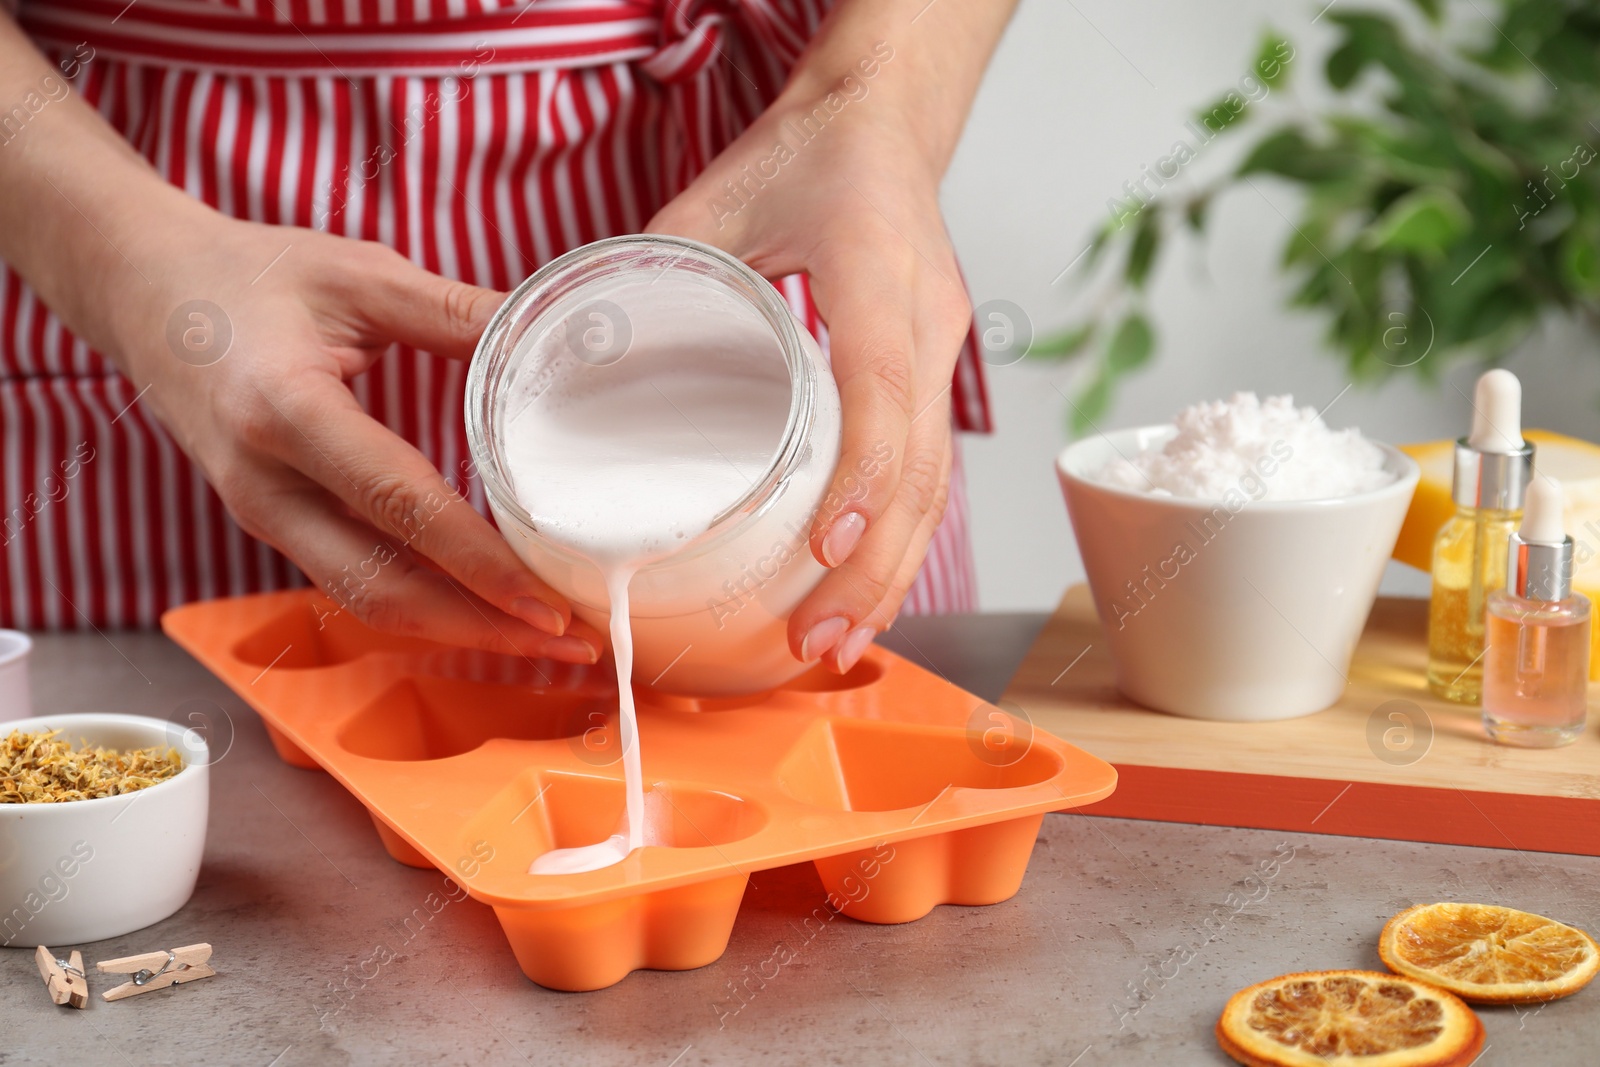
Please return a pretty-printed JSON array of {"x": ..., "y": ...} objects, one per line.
[
  {"x": 86, "y": 870},
  {"x": 15, "y": 700},
  {"x": 1219, "y": 611}
]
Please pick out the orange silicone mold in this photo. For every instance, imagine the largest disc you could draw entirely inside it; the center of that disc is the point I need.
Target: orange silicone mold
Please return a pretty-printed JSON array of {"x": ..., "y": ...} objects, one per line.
[{"x": 905, "y": 791}]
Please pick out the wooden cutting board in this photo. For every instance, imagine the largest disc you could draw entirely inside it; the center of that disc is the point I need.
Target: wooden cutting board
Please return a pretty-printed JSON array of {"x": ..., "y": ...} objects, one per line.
[{"x": 1388, "y": 760}]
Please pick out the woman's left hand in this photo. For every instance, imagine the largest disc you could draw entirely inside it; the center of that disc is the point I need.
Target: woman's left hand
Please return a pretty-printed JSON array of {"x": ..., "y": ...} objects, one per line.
[{"x": 855, "y": 207}]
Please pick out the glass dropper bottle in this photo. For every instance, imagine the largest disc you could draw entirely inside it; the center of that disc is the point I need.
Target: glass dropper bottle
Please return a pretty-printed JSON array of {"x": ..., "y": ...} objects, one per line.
[
  {"x": 1536, "y": 666},
  {"x": 1492, "y": 467}
]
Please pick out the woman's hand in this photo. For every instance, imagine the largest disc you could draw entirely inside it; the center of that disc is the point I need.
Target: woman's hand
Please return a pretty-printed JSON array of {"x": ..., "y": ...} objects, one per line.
[
  {"x": 278, "y": 434},
  {"x": 839, "y": 179}
]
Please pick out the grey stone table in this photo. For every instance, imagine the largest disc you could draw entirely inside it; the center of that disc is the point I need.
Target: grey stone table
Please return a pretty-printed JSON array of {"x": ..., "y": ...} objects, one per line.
[{"x": 1120, "y": 949}]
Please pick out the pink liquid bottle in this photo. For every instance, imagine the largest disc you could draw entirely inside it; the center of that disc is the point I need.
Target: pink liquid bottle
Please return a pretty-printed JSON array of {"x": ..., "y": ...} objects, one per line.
[{"x": 1536, "y": 662}]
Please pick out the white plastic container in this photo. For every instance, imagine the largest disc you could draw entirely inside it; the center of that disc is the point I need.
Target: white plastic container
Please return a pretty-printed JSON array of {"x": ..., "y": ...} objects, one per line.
[{"x": 711, "y": 618}]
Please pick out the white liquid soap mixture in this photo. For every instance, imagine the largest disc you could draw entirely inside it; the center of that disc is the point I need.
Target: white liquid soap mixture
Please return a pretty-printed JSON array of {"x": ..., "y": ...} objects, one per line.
[{"x": 623, "y": 463}]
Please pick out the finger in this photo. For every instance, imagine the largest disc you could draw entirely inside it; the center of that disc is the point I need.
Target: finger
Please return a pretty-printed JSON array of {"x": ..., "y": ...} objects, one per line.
[
  {"x": 701, "y": 215},
  {"x": 378, "y": 580},
  {"x": 404, "y": 303},
  {"x": 681, "y": 218},
  {"x": 877, "y": 574},
  {"x": 850, "y": 648},
  {"x": 323, "y": 432},
  {"x": 871, "y": 328}
]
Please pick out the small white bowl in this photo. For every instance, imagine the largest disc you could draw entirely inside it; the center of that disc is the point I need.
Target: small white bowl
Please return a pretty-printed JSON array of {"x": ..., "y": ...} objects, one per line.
[
  {"x": 86, "y": 870},
  {"x": 1217, "y": 611},
  {"x": 16, "y": 701}
]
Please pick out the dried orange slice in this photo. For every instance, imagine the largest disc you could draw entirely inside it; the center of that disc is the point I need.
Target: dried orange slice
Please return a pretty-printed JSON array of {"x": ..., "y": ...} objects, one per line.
[
  {"x": 1354, "y": 1018},
  {"x": 1488, "y": 954}
]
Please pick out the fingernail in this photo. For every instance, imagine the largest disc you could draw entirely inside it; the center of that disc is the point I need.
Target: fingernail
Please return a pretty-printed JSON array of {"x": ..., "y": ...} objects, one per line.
[
  {"x": 539, "y": 614},
  {"x": 842, "y": 539},
  {"x": 572, "y": 649},
  {"x": 822, "y": 637},
  {"x": 854, "y": 646}
]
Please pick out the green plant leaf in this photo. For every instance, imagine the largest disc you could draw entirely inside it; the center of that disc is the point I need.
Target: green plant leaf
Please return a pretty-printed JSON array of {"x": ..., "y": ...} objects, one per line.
[
  {"x": 1501, "y": 310},
  {"x": 1225, "y": 112},
  {"x": 1273, "y": 59},
  {"x": 1451, "y": 288},
  {"x": 1131, "y": 346},
  {"x": 1092, "y": 404},
  {"x": 1146, "y": 239},
  {"x": 1580, "y": 262},
  {"x": 1102, "y": 237},
  {"x": 1064, "y": 345},
  {"x": 1409, "y": 154},
  {"x": 1288, "y": 153},
  {"x": 1426, "y": 221},
  {"x": 1345, "y": 64},
  {"x": 1371, "y": 38},
  {"x": 1276, "y": 153},
  {"x": 1433, "y": 198},
  {"x": 1368, "y": 38},
  {"x": 1270, "y": 67}
]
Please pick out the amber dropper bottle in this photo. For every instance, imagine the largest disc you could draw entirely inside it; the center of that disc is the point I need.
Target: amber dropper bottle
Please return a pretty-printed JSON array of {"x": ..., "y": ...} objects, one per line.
[
  {"x": 1536, "y": 669},
  {"x": 1492, "y": 467}
]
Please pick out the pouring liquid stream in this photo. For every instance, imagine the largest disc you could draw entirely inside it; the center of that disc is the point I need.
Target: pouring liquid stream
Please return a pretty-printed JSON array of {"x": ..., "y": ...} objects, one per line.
[
  {"x": 627, "y": 463},
  {"x": 630, "y": 835}
]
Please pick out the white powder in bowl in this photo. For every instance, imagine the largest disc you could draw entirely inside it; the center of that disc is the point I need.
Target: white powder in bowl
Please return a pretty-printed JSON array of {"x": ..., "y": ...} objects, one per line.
[{"x": 1264, "y": 449}]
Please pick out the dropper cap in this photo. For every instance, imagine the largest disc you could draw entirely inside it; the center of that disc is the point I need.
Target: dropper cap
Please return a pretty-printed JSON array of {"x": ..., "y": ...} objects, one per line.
[
  {"x": 1539, "y": 566},
  {"x": 1496, "y": 413},
  {"x": 1493, "y": 462}
]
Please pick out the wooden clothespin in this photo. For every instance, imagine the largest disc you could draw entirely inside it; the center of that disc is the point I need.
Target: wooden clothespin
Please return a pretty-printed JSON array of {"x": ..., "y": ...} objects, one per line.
[
  {"x": 157, "y": 970},
  {"x": 64, "y": 978}
]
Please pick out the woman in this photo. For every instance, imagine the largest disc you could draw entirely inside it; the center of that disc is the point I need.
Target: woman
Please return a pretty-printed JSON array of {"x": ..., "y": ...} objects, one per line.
[{"x": 216, "y": 239}]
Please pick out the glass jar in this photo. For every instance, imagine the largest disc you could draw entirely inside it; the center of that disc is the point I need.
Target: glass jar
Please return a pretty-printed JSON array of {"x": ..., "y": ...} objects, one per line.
[{"x": 710, "y": 618}]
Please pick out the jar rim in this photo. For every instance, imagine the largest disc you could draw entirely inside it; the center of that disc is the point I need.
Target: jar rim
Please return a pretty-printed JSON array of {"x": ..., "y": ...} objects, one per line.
[{"x": 540, "y": 292}]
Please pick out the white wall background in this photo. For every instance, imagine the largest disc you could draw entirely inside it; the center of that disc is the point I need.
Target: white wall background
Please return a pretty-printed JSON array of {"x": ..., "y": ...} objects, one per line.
[{"x": 1081, "y": 94}]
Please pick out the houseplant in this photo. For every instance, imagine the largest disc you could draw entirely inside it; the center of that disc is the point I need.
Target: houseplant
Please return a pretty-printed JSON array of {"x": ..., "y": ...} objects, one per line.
[{"x": 1445, "y": 216}]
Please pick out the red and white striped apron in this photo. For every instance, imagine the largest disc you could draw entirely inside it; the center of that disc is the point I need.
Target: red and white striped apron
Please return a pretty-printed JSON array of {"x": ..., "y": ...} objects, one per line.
[{"x": 480, "y": 138}]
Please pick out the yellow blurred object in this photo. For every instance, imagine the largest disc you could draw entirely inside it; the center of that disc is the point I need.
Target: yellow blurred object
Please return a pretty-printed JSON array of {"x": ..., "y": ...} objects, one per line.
[{"x": 1572, "y": 462}]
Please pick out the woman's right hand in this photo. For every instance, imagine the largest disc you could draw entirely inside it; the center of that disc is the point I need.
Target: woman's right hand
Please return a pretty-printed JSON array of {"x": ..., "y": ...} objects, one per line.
[{"x": 278, "y": 434}]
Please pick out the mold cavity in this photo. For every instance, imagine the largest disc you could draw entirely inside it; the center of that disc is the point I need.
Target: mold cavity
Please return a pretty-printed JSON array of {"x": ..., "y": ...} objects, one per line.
[
  {"x": 655, "y": 698},
  {"x": 429, "y": 718},
  {"x": 867, "y": 766},
  {"x": 541, "y": 812},
  {"x": 821, "y": 680}
]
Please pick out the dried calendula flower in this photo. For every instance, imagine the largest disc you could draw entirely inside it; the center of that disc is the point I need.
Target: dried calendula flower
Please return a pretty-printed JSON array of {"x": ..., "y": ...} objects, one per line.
[{"x": 36, "y": 768}]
